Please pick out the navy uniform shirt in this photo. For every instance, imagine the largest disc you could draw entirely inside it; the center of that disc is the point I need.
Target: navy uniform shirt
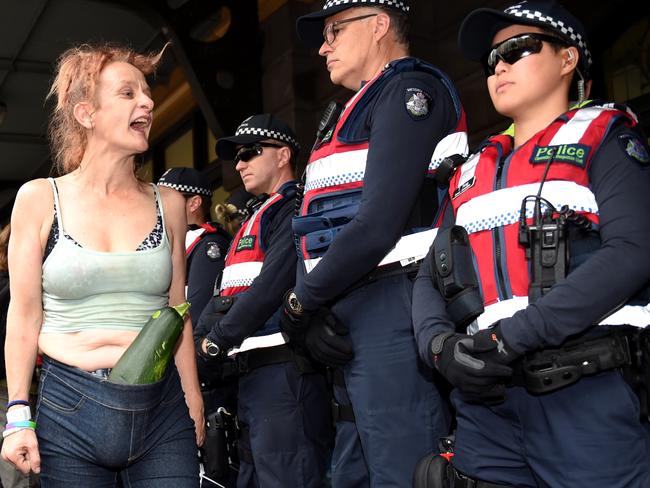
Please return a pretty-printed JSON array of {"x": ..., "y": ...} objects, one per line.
[
  {"x": 608, "y": 277},
  {"x": 204, "y": 264},
  {"x": 400, "y": 151},
  {"x": 263, "y": 298}
]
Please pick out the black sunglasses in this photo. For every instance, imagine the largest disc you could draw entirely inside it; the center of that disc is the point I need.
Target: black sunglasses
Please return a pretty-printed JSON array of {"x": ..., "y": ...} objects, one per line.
[
  {"x": 246, "y": 153},
  {"x": 517, "y": 47}
]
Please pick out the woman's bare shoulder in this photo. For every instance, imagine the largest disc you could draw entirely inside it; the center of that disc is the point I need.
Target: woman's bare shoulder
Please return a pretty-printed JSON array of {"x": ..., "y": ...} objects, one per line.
[
  {"x": 172, "y": 200},
  {"x": 35, "y": 196}
]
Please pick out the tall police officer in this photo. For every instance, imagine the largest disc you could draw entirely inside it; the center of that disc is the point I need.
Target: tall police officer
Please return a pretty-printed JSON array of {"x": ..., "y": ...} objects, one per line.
[
  {"x": 362, "y": 229},
  {"x": 206, "y": 242},
  {"x": 557, "y": 217},
  {"x": 282, "y": 404}
]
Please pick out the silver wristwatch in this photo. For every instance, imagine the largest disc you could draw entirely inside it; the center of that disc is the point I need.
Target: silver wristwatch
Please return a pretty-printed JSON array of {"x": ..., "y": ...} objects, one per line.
[
  {"x": 211, "y": 349},
  {"x": 294, "y": 304}
]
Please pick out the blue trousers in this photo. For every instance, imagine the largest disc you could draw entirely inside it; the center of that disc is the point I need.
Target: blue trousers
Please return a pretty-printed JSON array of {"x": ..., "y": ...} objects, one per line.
[
  {"x": 90, "y": 431},
  {"x": 288, "y": 417},
  {"x": 398, "y": 410},
  {"x": 587, "y": 434}
]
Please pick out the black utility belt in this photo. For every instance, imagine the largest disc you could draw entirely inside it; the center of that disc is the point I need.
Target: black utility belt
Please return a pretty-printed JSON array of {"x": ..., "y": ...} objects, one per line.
[
  {"x": 246, "y": 361},
  {"x": 265, "y": 356},
  {"x": 550, "y": 369},
  {"x": 385, "y": 271}
]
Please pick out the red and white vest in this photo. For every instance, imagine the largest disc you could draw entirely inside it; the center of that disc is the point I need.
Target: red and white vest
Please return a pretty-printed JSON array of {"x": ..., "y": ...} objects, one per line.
[
  {"x": 336, "y": 169},
  {"x": 244, "y": 263},
  {"x": 487, "y": 193}
]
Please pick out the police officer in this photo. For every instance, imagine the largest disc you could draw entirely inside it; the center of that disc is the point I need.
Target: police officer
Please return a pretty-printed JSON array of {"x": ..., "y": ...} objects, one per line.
[
  {"x": 362, "y": 229},
  {"x": 206, "y": 242},
  {"x": 556, "y": 213},
  {"x": 282, "y": 403}
]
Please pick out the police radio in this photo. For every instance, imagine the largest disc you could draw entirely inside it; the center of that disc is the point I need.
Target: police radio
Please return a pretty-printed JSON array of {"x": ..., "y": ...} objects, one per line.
[
  {"x": 255, "y": 202},
  {"x": 546, "y": 246},
  {"x": 327, "y": 122},
  {"x": 453, "y": 275},
  {"x": 447, "y": 168}
]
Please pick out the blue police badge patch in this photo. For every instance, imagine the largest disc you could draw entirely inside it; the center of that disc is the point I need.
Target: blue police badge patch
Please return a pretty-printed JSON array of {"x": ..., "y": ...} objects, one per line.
[
  {"x": 635, "y": 148},
  {"x": 417, "y": 103},
  {"x": 213, "y": 251}
]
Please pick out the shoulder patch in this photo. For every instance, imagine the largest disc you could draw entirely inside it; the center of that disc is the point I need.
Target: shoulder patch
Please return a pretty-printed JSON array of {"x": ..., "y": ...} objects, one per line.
[
  {"x": 635, "y": 148},
  {"x": 418, "y": 103},
  {"x": 213, "y": 252}
]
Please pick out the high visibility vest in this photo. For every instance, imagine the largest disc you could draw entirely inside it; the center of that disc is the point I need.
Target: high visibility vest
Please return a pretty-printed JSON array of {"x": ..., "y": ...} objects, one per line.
[
  {"x": 335, "y": 173},
  {"x": 244, "y": 263},
  {"x": 486, "y": 194}
]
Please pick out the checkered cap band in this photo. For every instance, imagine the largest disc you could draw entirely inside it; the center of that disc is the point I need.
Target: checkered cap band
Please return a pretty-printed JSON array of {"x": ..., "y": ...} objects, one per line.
[
  {"x": 566, "y": 30},
  {"x": 271, "y": 134},
  {"x": 387, "y": 3},
  {"x": 186, "y": 188}
]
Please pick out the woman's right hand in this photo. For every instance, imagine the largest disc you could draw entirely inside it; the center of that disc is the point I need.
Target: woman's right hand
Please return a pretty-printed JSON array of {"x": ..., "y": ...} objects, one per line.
[{"x": 21, "y": 449}]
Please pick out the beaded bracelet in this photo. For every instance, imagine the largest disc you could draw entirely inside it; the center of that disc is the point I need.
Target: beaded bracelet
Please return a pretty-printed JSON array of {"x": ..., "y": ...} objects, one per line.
[{"x": 17, "y": 402}]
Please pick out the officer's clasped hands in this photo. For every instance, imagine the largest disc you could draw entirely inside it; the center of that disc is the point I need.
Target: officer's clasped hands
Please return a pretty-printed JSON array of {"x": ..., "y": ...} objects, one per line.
[
  {"x": 490, "y": 346},
  {"x": 294, "y": 319},
  {"x": 209, "y": 367},
  {"x": 322, "y": 333},
  {"x": 328, "y": 339},
  {"x": 473, "y": 364}
]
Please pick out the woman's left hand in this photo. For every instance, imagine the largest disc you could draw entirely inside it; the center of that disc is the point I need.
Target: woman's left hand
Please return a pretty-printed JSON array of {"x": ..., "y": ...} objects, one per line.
[{"x": 195, "y": 405}]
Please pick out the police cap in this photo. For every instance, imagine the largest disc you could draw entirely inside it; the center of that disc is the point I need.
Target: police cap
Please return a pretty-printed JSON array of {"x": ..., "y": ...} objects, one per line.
[
  {"x": 310, "y": 27},
  {"x": 185, "y": 180},
  {"x": 480, "y": 26},
  {"x": 257, "y": 128}
]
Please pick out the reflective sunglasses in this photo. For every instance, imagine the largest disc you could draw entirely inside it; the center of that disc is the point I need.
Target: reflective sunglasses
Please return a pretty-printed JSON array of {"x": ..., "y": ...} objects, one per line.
[
  {"x": 246, "y": 153},
  {"x": 331, "y": 30},
  {"x": 513, "y": 49}
]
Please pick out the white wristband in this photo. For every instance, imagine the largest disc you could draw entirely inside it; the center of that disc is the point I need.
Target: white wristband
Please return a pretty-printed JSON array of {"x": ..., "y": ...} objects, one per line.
[
  {"x": 19, "y": 414},
  {"x": 7, "y": 432}
]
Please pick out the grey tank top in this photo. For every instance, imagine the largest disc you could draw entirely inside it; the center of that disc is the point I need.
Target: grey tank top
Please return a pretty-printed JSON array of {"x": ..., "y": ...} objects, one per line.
[{"x": 85, "y": 289}]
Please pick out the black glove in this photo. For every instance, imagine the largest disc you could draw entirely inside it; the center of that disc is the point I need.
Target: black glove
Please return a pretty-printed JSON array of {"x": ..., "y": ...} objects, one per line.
[
  {"x": 209, "y": 367},
  {"x": 481, "y": 381},
  {"x": 294, "y": 319},
  {"x": 490, "y": 346},
  {"x": 328, "y": 339}
]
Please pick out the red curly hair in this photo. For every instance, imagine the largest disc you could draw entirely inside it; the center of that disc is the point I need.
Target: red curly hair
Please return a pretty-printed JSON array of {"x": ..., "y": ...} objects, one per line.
[{"x": 77, "y": 75}]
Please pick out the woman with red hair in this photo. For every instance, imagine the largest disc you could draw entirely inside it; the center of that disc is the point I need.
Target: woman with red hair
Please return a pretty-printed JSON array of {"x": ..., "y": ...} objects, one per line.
[{"x": 93, "y": 253}]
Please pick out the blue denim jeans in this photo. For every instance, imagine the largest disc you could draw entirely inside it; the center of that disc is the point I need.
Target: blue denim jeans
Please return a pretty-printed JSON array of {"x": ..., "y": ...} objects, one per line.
[{"x": 90, "y": 431}]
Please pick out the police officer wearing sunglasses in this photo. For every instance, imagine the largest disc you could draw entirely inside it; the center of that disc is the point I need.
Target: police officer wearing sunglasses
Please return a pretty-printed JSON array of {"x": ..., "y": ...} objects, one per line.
[
  {"x": 283, "y": 408},
  {"x": 556, "y": 209},
  {"x": 364, "y": 225}
]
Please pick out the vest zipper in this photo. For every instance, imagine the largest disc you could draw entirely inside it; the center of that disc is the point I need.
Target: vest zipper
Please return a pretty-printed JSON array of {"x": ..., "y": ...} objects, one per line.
[{"x": 500, "y": 279}]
